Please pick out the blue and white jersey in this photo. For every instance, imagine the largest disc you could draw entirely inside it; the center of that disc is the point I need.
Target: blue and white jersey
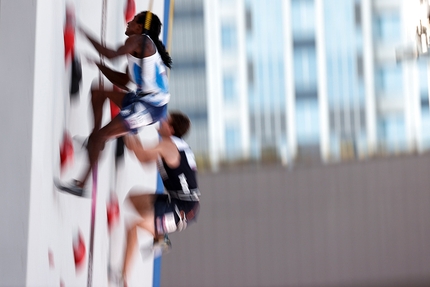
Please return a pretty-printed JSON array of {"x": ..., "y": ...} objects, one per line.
[{"x": 152, "y": 81}]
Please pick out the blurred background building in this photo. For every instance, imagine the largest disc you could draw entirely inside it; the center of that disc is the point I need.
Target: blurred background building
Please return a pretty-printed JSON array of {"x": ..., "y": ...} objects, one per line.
[
  {"x": 299, "y": 81},
  {"x": 291, "y": 84}
]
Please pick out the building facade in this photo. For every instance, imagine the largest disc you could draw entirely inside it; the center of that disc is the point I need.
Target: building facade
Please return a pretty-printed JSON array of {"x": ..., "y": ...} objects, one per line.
[{"x": 299, "y": 80}]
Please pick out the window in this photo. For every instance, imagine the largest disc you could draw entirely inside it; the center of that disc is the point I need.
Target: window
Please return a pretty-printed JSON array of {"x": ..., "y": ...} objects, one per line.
[
  {"x": 389, "y": 80},
  {"x": 232, "y": 143},
  {"x": 425, "y": 127},
  {"x": 250, "y": 70},
  {"x": 229, "y": 88},
  {"x": 388, "y": 27},
  {"x": 228, "y": 37},
  {"x": 357, "y": 14},
  {"x": 307, "y": 122},
  {"x": 305, "y": 68},
  {"x": 303, "y": 17},
  {"x": 424, "y": 102},
  {"x": 423, "y": 76},
  {"x": 360, "y": 66},
  {"x": 392, "y": 131},
  {"x": 248, "y": 20}
]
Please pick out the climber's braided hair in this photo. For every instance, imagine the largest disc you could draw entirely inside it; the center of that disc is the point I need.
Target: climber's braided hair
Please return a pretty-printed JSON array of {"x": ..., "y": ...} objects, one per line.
[{"x": 154, "y": 33}]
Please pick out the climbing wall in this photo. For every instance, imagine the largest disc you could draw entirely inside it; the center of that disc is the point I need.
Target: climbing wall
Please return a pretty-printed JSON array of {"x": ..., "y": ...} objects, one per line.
[{"x": 47, "y": 233}]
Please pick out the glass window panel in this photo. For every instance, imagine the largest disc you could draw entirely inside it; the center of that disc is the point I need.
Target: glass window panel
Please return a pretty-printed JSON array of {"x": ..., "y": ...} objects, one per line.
[
  {"x": 229, "y": 88},
  {"x": 390, "y": 81},
  {"x": 388, "y": 26},
  {"x": 307, "y": 122},
  {"x": 303, "y": 17},
  {"x": 232, "y": 142},
  {"x": 228, "y": 36},
  {"x": 392, "y": 132},
  {"x": 305, "y": 68}
]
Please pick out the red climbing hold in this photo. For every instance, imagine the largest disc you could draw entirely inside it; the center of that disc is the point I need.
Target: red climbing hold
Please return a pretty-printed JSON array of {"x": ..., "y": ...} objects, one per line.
[
  {"x": 112, "y": 210},
  {"x": 51, "y": 259},
  {"x": 114, "y": 109},
  {"x": 129, "y": 11},
  {"x": 69, "y": 34},
  {"x": 66, "y": 150},
  {"x": 79, "y": 250}
]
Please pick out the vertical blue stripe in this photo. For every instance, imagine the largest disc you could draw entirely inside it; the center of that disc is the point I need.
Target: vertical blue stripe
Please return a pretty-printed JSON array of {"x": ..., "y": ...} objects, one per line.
[
  {"x": 160, "y": 186},
  {"x": 156, "y": 278},
  {"x": 166, "y": 22},
  {"x": 157, "y": 272}
]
